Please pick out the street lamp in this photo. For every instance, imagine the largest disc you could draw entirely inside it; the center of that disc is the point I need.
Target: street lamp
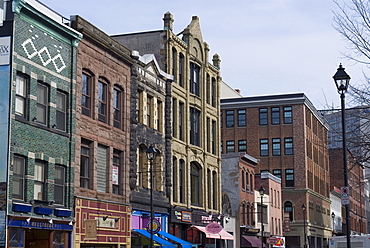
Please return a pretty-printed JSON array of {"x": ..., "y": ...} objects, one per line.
[
  {"x": 262, "y": 192},
  {"x": 151, "y": 152},
  {"x": 333, "y": 216},
  {"x": 304, "y": 208},
  {"x": 341, "y": 79}
]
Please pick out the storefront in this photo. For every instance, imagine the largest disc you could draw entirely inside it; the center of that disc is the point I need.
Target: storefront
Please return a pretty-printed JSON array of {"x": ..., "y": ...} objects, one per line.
[
  {"x": 102, "y": 224},
  {"x": 38, "y": 233}
]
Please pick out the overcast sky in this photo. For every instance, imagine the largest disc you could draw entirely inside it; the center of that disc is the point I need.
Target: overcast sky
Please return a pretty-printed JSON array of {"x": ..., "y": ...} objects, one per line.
[{"x": 266, "y": 46}]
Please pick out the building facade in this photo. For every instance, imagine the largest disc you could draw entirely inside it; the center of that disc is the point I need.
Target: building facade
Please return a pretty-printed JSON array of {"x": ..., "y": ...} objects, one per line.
[
  {"x": 289, "y": 137},
  {"x": 196, "y": 160},
  {"x": 238, "y": 181},
  {"x": 150, "y": 126},
  {"x": 37, "y": 102},
  {"x": 358, "y": 220},
  {"x": 102, "y": 138}
]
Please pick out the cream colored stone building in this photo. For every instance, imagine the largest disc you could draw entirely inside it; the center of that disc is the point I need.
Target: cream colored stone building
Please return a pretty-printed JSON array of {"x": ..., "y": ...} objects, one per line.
[{"x": 195, "y": 128}]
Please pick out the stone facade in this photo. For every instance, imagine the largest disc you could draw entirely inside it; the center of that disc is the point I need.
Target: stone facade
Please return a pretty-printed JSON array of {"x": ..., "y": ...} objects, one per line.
[
  {"x": 195, "y": 162},
  {"x": 289, "y": 138},
  {"x": 102, "y": 138},
  {"x": 41, "y": 159}
]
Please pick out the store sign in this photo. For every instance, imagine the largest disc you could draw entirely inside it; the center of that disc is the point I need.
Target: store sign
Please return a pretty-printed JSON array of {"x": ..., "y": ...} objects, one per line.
[
  {"x": 213, "y": 228},
  {"x": 4, "y": 50},
  {"x": 186, "y": 216}
]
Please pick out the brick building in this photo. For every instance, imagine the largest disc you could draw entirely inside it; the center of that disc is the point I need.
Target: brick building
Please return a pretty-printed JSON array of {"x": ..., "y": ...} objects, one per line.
[
  {"x": 102, "y": 139},
  {"x": 37, "y": 103},
  {"x": 358, "y": 220},
  {"x": 196, "y": 161},
  {"x": 238, "y": 181},
  {"x": 289, "y": 137}
]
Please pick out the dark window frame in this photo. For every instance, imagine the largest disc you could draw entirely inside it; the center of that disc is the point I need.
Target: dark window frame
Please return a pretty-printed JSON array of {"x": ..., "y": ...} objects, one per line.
[
  {"x": 276, "y": 147},
  {"x": 288, "y": 146},
  {"x": 288, "y": 115},
  {"x": 264, "y": 147},
  {"x": 103, "y": 101},
  {"x": 242, "y": 118},
  {"x": 86, "y": 88},
  {"x": 230, "y": 120},
  {"x": 275, "y": 116},
  {"x": 263, "y": 116}
]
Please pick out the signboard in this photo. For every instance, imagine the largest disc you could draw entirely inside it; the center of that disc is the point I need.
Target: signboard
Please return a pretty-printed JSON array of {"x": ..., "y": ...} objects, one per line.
[
  {"x": 272, "y": 240},
  {"x": 90, "y": 227},
  {"x": 214, "y": 228},
  {"x": 286, "y": 221},
  {"x": 186, "y": 216},
  {"x": 345, "y": 195},
  {"x": 280, "y": 242},
  {"x": 4, "y": 50},
  {"x": 153, "y": 226}
]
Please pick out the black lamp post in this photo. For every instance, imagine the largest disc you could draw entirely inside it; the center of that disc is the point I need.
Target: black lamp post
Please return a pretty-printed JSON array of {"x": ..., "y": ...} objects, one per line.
[
  {"x": 262, "y": 192},
  {"x": 304, "y": 208},
  {"x": 151, "y": 152},
  {"x": 341, "y": 79}
]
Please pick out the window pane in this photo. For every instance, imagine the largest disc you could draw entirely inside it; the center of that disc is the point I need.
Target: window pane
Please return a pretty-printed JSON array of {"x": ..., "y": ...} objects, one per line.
[
  {"x": 61, "y": 111},
  {"x": 42, "y": 99},
  {"x": 263, "y": 116},
  {"x": 117, "y": 108}
]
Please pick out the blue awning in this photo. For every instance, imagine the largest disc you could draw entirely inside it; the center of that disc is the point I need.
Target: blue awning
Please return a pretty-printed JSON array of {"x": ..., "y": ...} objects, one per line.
[
  {"x": 183, "y": 243},
  {"x": 162, "y": 242}
]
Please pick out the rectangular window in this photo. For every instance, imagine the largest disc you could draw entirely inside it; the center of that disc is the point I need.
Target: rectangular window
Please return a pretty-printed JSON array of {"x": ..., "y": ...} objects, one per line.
[
  {"x": 61, "y": 111},
  {"x": 194, "y": 79},
  {"x": 181, "y": 70},
  {"x": 276, "y": 147},
  {"x": 181, "y": 120},
  {"x": 149, "y": 104},
  {"x": 59, "y": 184},
  {"x": 117, "y": 107},
  {"x": 86, "y": 95},
  {"x": 213, "y": 142},
  {"x": 116, "y": 172},
  {"x": 275, "y": 116},
  {"x": 160, "y": 116},
  {"x": 277, "y": 173},
  {"x": 182, "y": 181},
  {"x": 263, "y": 116},
  {"x": 102, "y": 101},
  {"x": 242, "y": 145},
  {"x": 39, "y": 181},
  {"x": 288, "y": 117},
  {"x": 229, "y": 118},
  {"x": 174, "y": 117},
  {"x": 264, "y": 147},
  {"x": 42, "y": 103},
  {"x": 21, "y": 95},
  {"x": 242, "y": 118},
  {"x": 289, "y": 178},
  {"x": 213, "y": 96},
  {"x": 18, "y": 177},
  {"x": 85, "y": 164},
  {"x": 230, "y": 146},
  {"x": 101, "y": 172},
  {"x": 194, "y": 127},
  {"x": 288, "y": 146}
]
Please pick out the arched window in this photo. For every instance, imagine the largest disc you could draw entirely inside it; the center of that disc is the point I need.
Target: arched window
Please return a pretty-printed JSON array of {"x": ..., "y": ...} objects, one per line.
[
  {"x": 117, "y": 107},
  {"x": 288, "y": 207},
  {"x": 195, "y": 178}
]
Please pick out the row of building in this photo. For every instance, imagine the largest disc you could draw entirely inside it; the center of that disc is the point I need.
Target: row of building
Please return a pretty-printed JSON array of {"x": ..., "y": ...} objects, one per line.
[{"x": 80, "y": 110}]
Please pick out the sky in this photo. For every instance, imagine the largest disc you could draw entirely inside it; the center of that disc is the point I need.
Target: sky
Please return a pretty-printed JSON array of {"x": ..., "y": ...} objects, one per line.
[{"x": 266, "y": 46}]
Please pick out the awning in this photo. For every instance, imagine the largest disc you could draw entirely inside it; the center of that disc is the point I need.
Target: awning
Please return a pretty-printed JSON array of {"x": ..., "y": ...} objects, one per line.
[
  {"x": 221, "y": 235},
  {"x": 183, "y": 243},
  {"x": 250, "y": 241},
  {"x": 162, "y": 242}
]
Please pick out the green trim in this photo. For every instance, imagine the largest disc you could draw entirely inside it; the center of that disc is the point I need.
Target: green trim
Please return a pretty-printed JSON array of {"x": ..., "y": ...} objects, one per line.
[{"x": 75, "y": 36}]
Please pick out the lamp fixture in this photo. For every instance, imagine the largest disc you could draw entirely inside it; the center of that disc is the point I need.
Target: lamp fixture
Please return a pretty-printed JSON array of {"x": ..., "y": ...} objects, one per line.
[
  {"x": 262, "y": 191},
  {"x": 151, "y": 152},
  {"x": 341, "y": 79},
  {"x": 304, "y": 207}
]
